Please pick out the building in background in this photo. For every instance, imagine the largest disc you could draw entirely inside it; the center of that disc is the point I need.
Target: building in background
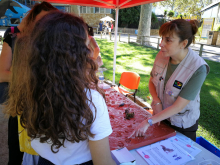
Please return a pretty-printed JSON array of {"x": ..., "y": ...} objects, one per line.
[
  {"x": 211, "y": 13},
  {"x": 92, "y": 15}
]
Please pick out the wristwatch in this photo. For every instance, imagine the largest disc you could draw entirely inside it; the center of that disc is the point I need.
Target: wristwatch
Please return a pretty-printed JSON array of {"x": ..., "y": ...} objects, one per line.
[{"x": 150, "y": 121}]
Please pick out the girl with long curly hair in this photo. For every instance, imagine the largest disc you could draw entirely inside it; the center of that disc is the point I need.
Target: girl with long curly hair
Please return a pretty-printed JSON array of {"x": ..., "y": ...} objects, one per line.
[
  {"x": 58, "y": 98},
  {"x": 17, "y": 143}
]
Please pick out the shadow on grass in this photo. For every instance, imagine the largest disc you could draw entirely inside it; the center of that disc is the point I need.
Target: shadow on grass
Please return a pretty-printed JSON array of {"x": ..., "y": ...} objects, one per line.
[{"x": 210, "y": 105}]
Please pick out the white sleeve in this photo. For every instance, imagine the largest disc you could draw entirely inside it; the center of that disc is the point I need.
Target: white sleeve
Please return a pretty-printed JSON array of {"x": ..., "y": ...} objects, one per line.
[{"x": 101, "y": 127}]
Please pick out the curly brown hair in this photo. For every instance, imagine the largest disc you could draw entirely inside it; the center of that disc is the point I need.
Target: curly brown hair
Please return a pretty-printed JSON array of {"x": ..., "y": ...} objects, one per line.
[{"x": 52, "y": 96}]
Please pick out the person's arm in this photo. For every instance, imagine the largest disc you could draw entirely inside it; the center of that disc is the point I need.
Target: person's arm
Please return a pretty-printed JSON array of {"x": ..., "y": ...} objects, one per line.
[
  {"x": 156, "y": 103},
  {"x": 5, "y": 63},
  {"x": 95, "y": 47},
  {"x": 177, "y": 106},
  {"x": 100, "y": 151}
]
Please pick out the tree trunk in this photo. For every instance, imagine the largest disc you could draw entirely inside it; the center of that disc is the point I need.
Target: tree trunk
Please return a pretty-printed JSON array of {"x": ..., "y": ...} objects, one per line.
[
  {"x": 75, "y": 9},
  {"x": 144, "y": 24}
]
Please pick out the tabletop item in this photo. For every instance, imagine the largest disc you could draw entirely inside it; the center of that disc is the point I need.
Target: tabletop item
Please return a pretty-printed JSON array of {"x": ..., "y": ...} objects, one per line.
[
  {"x": 122, "y": 127},
  {"x": 122, "y": 104},
  {"x": 123, "y": 157},
  {"x": 101, "y": 76}
]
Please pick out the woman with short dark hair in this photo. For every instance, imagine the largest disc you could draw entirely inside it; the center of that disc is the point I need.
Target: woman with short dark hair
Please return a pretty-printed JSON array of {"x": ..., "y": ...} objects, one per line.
[{"x": 176, "y": 80}]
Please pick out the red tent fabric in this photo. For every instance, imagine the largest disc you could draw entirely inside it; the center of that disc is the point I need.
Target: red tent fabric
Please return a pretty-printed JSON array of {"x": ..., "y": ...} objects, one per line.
[{"x": 112, "y": 4}]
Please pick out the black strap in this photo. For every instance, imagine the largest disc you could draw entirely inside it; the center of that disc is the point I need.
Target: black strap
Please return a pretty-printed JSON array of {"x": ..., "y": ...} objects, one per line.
[{"x": 43, "y": 161}]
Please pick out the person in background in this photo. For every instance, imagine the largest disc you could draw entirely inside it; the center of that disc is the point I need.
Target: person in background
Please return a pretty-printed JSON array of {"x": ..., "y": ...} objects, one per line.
[
  {"x": 15, "y": 154},
  {"x": 112, "y": 26},
  {"x": 61, "y": 105},
  {"x": 93, "y": 46},
  {"x": 105, "y": 27},
  {"x": 100, "y": 26},
  {"x": 176, "y": 80}
]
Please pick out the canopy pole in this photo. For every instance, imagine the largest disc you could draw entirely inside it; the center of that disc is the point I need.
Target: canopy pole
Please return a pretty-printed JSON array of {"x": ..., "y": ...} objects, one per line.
[{"x": 115, "y": 47}]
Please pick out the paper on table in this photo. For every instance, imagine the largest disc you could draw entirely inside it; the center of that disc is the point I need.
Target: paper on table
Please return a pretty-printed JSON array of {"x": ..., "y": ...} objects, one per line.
[
  {"x": 186, "y": 144},
  {"x": 164, "y": 153},
  {"x": 123, "y": 155}
]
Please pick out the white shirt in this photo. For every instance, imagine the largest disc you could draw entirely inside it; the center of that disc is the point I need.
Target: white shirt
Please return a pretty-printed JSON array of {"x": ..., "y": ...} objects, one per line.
[{"x": 77, "y": 153}]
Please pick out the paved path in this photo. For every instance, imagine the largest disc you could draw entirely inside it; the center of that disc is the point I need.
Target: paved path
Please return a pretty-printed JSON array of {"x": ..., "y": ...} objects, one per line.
[
  {"x": 124, "y": 38},
  {"x": 196, "y": 47},
  {"x": 3, "y": 138}
]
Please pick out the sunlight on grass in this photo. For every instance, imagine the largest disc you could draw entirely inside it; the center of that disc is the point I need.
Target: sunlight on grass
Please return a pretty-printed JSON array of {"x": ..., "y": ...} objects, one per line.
[{"x": 202, "y": 131}]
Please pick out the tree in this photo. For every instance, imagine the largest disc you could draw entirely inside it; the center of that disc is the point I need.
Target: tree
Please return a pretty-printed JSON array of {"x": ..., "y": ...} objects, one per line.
[
  {"x": 145, "y": 23},
  {"x": 185, "y": 6},
  {"x": 129, "y": 17},
  {"x": 164, "y": 15},
  {"x": 75, "y": 9},
  {"x": 180, "y": 16},
  {"x": 170, "y": 13}
]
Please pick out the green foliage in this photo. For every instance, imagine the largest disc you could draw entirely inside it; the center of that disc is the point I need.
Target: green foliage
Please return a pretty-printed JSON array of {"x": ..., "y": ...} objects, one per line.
[
  {"x": 140, "y": 59},
  {"x": 154, "y": 18},
  {"x": 180, "y": 16},
  {"x": 218, "y": 29},
  {"x": 171, "y": 13},
  {"x": 186, "y": 6},
  {"x": 200, "y": 31},
  {"x": 129, "y": 17},
  {"x": 165, "y": 13}
]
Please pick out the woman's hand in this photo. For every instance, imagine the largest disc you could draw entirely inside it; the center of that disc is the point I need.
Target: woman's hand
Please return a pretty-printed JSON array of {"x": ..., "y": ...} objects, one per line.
[{"x": 140, "y": 129}]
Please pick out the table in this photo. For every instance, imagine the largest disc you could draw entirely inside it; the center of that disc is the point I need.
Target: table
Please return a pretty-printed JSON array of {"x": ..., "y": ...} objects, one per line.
[
  {"x": 113, "y": 100},
  {"x": 201, "y": 157},
  {"x": 122, "y": 127}
]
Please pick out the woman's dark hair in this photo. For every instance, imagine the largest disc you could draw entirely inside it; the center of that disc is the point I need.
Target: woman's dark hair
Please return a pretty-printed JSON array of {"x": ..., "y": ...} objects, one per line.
[
  {"x": 90, "y": 30},
  {"x": 54, "y": 96},
  {"x": 184, "y": 29},
  {"x": 37, "y": 8}
]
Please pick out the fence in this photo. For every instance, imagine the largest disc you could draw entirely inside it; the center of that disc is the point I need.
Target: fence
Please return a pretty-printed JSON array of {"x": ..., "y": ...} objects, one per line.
[{"x": 143, "y": 41}]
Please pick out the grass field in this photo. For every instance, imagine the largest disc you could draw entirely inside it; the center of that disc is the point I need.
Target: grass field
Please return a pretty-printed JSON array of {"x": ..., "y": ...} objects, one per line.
[{"x": 132, "y": 57}]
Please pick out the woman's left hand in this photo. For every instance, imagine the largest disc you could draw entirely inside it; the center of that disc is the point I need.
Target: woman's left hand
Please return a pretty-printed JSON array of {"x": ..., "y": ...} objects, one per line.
[{"x": 141, "y": 129}]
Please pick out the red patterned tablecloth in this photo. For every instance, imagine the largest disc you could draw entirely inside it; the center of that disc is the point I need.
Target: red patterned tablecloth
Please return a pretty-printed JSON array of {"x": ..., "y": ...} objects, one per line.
[{"x": 122, "y": 127}]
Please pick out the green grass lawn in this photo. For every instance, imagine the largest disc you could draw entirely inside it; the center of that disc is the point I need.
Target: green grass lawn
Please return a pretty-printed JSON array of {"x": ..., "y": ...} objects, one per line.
[{"x": 132, "y": 57}]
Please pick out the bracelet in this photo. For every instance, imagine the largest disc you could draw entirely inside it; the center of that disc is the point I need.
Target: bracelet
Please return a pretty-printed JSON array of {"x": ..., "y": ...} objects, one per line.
[{"x": 157, "y": 103}]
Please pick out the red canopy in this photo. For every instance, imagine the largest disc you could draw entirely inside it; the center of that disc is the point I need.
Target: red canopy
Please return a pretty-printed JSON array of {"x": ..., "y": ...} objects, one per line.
[{"x": 112, "y": 4}]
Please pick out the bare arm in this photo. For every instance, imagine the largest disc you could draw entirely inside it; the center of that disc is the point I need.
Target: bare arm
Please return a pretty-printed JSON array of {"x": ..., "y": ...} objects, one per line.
[
  {"x": 95, "y": 47},
  {"x": 100, "y": 151},
  {"x": 96, "y": 53},
  {"x": 152, "y": 91},
  {"x": 5, "y": 63},
  {"x": 157, "y": 108},
  {"x": 177, "y": 106}
]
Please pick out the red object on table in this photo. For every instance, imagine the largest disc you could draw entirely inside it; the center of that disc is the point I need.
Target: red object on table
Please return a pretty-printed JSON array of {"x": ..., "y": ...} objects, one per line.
[{"x": 122, "y": 128}]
